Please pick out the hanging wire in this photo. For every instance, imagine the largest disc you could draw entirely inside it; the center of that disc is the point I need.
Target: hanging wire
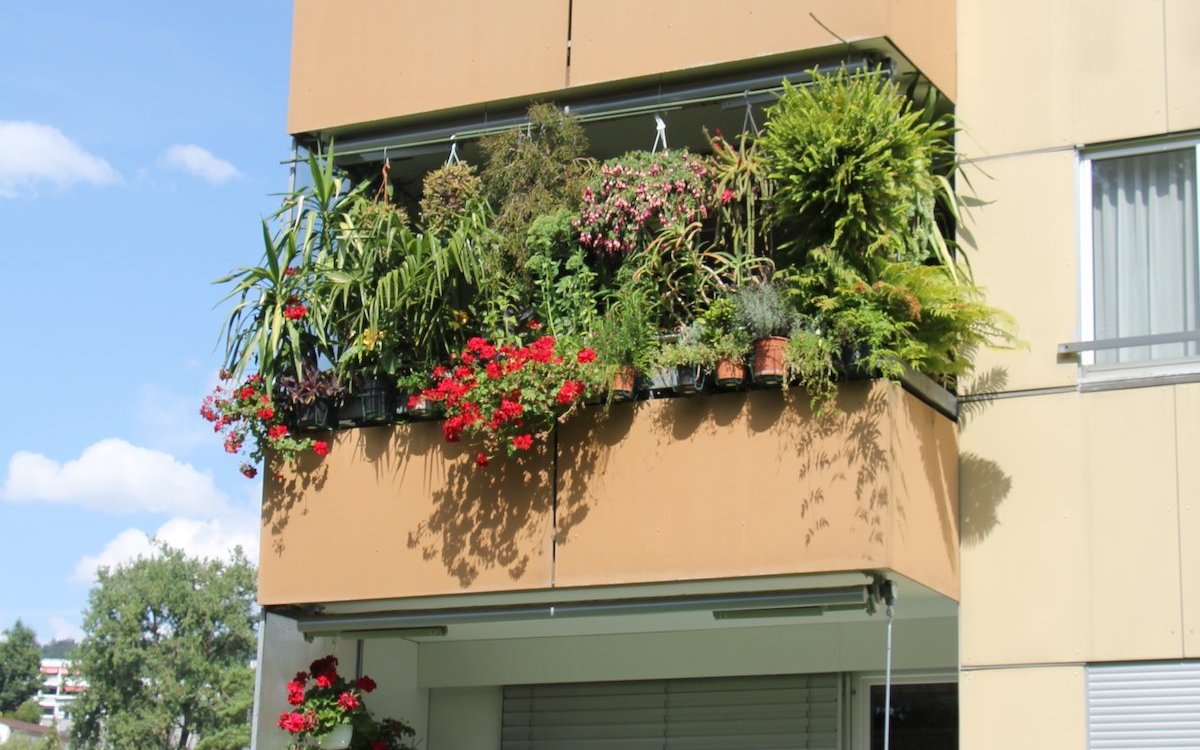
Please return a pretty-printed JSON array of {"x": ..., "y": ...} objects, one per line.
[
  {"x": 382, "y": 194},
  {"x": 453, "y": 157},
  {"x": 660, "y": 133},
  {"x": 749, "y": 118}
]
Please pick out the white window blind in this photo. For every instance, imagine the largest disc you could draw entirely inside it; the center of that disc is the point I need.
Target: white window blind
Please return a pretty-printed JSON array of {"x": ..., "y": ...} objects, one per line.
[
  {"x": 1144, "y": 250},
  {"x": 1145, "y": 706},
  {"x": 749, "y": 713}
]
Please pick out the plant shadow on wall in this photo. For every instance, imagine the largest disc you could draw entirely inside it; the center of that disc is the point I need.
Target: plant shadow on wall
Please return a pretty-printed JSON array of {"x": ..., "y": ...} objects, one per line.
[
  {"x": 983, "y": 483},
  {"x": 486, "y": 519},
  {"x": 284, "y": 492}
]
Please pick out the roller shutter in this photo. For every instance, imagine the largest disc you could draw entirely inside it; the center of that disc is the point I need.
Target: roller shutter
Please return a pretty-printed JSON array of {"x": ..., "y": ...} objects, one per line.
[
  {"x": 1144, "y": 706},
  {"x": 751, "y": 713}
]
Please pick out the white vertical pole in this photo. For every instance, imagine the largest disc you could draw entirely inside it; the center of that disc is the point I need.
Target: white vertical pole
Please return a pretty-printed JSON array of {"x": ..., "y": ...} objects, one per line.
[{"x": 887, "y": 686}]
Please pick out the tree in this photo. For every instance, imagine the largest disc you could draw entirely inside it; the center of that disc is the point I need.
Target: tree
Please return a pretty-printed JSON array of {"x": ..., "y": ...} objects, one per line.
[
  {"x": 20, "y": 667},
  {"x": 166, "y": 653},
  {"x": 59, "y": 648}
]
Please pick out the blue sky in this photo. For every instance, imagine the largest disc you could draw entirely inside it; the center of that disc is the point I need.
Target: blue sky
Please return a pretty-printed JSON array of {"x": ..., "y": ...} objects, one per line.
[{"x": 140, "y": 145}]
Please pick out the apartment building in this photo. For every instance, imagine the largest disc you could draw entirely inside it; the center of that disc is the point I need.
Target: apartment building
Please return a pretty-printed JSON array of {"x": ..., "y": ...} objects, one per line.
[{"x": 1019, "y": 562}]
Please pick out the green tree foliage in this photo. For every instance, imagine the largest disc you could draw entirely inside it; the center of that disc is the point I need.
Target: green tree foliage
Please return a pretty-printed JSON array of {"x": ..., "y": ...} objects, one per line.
[
  {"x": 29, "y": 711},
  {"x": 59, "y": 648},
  {"x": 20, "y": 664},
  {"x": 166, "y": 655}
]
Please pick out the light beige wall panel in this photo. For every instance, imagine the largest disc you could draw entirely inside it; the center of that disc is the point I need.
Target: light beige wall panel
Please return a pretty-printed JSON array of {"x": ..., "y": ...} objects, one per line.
[
  {"x": 1025, "y": 548},
  {"x": 1133, "y": 526},
  {"x": 1117, "y": 78},
  {"x": 1022, "y": 246},
  {"x": 1013, "y": 66},
  {"x": 1035, "y": 74},
  {"x": 1182, "y": 27},
  {"x": 1002, "y": 709},
  {"x": 465, "y": 718},
  {"x": 672, "y": 35},
  {"x": 361, "y": 61},
  {"x": 765, "y": 649},
  {"x": 392, "y": 663},
  {"x": 1187, "y": 428}
]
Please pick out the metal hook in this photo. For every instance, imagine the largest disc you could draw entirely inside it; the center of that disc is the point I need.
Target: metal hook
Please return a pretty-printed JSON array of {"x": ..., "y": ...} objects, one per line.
[
  {"x": 660, "y": 134},
  {"x": 453, "y": 157}
]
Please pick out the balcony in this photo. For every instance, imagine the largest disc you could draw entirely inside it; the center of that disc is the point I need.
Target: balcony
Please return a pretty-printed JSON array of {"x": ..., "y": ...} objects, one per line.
[{"x": 727, "y": 486}]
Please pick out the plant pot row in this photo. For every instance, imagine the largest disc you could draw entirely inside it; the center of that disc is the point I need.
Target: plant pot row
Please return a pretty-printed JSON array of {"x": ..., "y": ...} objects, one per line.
[{"x": 374, "y": 403}]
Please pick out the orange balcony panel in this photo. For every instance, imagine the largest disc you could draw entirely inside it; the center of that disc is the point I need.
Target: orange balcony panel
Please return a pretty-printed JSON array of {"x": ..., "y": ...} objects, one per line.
[
  {"x": 357, "y": 62},
  {"x": 751, "y": 484},
  {"x": 394, "y": 511},
  {"x": 718, "y": 487},
  {"x": 616, "y": 39}
]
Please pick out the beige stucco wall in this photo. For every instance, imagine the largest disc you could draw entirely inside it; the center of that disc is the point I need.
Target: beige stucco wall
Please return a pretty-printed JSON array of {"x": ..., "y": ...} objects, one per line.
[
  {"x": 1039, "y": 707},
  {"x": 410, "y": 58},
  {"x": 1083, "y": 557}
]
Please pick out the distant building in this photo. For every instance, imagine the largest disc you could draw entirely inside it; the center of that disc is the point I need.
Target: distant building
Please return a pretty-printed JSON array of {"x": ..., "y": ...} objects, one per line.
[
  {"x": 60, "y": 686},
  {"x": 10, "y": 728}
]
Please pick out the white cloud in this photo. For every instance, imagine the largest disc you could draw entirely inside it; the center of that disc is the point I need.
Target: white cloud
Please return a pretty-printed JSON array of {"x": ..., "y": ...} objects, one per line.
[
  {"x": 213, "y": 539},
  {"x": 32, "y": 153},
  {"x": 61, "y": 628},
  {"x": 198, "y": 162},
  {"x": 117, "y": 476}
]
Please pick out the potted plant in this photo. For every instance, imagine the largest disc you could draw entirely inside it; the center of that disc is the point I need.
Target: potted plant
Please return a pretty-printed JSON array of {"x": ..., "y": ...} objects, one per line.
[
  {"x": 766, "y": 315},
  {"x": 812, "y": 360},
  {"x": 635, "y": 196},
  {"x": 725, "y": 342},
  {"x": 412, "y": 403},
  {"x": 311, "y": 398},
  {"x": 246, "y": 411},
  {"x": 328, "y": 711},
  {"x": 625, "y": 340},
  {"x": 681, "y": 364},
  {"x": 507, "y": 398}
]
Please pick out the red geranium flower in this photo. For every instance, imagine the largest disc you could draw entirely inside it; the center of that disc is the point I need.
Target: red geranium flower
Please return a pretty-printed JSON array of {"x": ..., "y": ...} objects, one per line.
[
  {"x": 277, "y": 431},
  {"x": 349, "y": 701},
  {"x": 365, "y": 684},
  {"x": 523, "y": 442},
  {"x": 324, "y": 680},
  {"x": 249, "y": 471},
  {"x": 295, "y": 312},
  {"x": 586, "y": 356},
  {"x": 320, "y": 447},
  {"x": 266, "y": 413},
  {"x": 481, "y": 458}
]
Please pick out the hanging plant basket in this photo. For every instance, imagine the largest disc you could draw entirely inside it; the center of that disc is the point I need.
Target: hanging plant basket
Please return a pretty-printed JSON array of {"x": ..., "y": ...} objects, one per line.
[{"x": 418, "y": 408}]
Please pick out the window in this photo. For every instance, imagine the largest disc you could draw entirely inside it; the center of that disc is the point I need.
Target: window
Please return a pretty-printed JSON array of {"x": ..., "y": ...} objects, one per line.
[
  {"x": 1140, "y": 248},
  {"x": 924, "y": 712}
]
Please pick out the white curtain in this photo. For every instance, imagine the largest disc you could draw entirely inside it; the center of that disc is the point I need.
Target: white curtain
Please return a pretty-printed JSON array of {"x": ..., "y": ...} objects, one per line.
[{"x": 1145, "y": 248}]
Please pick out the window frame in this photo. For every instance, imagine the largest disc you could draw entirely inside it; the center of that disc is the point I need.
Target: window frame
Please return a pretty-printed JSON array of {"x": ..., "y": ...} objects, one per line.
[
  {"x": 860, "y": 697},
  {"x": 1089, "y": 370}
]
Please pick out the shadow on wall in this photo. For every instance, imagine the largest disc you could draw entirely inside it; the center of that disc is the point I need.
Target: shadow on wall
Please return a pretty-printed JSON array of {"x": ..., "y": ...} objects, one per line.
[
  {"x": 983, "y": 484},
  {"x": 284, "y": 492},
  {"x": 484, "y": 518}
]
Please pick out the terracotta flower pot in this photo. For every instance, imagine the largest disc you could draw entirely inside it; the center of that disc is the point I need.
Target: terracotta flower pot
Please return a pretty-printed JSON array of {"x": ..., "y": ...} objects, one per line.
[
  {"x": 769, "y": 364},
  {"x": 623, "y": 383},
  {"x": 730, "y": 373}
]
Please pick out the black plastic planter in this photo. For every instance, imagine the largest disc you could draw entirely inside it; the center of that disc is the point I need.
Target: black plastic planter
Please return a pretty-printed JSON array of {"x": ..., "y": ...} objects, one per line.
[
  {"x": 377, "y": 401},
  {"x": 313, "y": 417}
]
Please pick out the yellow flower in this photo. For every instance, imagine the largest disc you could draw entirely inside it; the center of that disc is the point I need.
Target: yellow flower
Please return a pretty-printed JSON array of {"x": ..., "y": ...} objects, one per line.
[
  {"x": 458, "y": 319},
  {"x": 370, "y": 338}
]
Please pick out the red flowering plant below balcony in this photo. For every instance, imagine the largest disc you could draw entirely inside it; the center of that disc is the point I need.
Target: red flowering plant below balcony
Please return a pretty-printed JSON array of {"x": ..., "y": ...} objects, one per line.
[
  {"x": 506, "y": 398},
  {"x": 246, "y": 412},
  {"x": 320, "y": 700}
]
